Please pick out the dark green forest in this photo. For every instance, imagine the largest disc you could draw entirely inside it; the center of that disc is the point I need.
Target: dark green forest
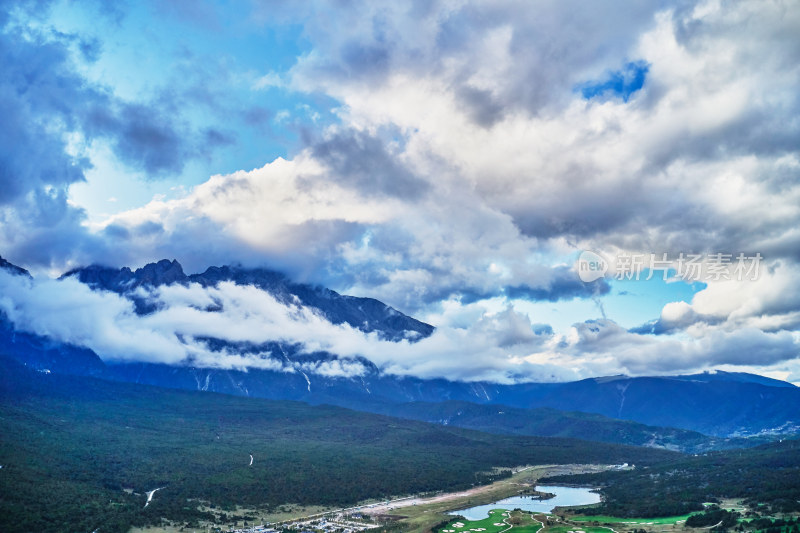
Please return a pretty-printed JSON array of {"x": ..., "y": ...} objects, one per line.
[
  {"x": 714, "y": 518},
  {"x": 79, "y": 453}
]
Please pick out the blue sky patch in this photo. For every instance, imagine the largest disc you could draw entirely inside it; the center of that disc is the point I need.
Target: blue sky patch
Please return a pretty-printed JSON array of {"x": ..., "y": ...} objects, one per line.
[
  {"x": 633, "y": 302},
  {"x": 621, "y": 83}
]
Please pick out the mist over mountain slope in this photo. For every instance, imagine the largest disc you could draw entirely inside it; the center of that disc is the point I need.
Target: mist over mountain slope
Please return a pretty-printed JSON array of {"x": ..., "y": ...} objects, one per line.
[
  {"x": 365, "y": 314},
  {"x": 229, "y": 349}
]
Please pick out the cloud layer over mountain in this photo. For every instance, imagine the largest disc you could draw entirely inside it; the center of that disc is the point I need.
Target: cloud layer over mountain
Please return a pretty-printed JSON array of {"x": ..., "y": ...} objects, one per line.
[{"x": 502, "y": 347}]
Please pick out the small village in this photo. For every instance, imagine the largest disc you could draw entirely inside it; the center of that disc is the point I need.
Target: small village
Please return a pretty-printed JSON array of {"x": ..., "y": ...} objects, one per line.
[{"x": 338, "y": 523}]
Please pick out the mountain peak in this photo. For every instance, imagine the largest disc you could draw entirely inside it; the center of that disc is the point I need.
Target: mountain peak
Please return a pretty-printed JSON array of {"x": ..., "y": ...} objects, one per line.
[
  {"x": 163, "y": 272},
  {"x": 124, "y": 279}
]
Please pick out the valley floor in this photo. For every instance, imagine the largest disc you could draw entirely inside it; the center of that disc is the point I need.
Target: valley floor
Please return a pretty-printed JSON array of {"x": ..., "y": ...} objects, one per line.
[{"x": 409, "y": 513}]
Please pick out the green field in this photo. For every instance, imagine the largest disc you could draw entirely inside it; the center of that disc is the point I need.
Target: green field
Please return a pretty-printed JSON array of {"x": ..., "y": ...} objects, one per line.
[
  {"x": 668, "y": 520},
  {"x": 497, "y": 521},
  {"x": 501, "y": 520}
]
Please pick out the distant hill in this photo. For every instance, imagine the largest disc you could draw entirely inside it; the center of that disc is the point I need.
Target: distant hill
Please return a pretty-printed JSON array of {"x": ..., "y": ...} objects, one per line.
[
  {"x": 721, "y": 407},
  {"x": 545, "y": 421},
  {"x": 740, "y": 377}
]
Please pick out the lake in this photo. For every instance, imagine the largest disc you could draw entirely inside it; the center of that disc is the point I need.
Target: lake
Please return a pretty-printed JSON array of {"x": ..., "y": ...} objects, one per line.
[{"x": 564, "y": 496}]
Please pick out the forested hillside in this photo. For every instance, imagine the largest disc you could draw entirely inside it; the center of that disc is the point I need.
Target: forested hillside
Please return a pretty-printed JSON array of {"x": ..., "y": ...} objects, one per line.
[{"x": 79, "y": 453}]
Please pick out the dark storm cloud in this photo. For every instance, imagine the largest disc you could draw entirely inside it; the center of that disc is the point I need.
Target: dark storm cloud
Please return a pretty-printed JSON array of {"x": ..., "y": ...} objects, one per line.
[
  {"x": 757, "y": 131},
  {"x": 481, "y": 105},
  {"x": 143, "y": 137},
  {"x": 145, "y": 230},
  {"x": 361, "y": 161},
  {"x": 37, "y": 90},
  {"x": 361, "y": 59},
  {"x": 152, "y": 139}
]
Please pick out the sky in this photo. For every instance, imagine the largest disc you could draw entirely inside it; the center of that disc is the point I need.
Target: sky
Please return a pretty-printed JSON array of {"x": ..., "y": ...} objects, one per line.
[{"x": 457, "y": 160}]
